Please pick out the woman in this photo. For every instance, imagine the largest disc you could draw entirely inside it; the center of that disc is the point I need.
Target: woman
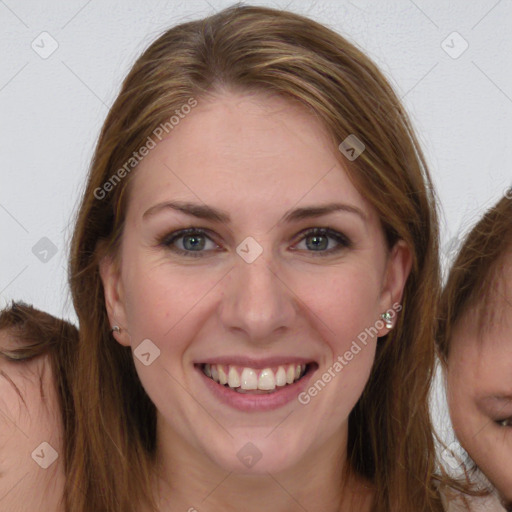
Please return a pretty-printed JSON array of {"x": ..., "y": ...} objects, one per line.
[
  {"x": 254, "y": 268},
  {"x": 474, "y": 341}
]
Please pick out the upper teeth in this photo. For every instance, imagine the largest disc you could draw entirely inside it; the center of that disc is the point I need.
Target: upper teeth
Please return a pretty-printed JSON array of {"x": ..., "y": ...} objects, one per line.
[{"x": 249, "y": 378}]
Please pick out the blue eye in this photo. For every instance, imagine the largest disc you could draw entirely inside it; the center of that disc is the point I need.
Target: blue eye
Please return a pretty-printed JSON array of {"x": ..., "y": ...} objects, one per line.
[
  {"x": 320, "y": 240},
  {"x": 194, "y": 240}
]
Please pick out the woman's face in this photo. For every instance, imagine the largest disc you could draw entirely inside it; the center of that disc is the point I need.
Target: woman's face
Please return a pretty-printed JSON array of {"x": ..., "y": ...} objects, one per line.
[
  {"x": 252, "y": 296},
  {"x": 480, "y": 386}
]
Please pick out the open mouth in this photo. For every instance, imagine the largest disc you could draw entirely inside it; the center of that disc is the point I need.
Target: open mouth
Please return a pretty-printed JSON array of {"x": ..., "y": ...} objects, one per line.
[{"x": 245, "y": 380}]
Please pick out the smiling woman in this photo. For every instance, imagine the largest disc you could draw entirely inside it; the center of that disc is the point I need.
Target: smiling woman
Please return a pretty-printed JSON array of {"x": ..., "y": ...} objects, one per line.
[{"x": 281, "y": 239}]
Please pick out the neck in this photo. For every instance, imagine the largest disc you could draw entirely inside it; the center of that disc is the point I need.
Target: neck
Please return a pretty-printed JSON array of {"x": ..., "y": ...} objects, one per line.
[{"x": 190, "y": 481}]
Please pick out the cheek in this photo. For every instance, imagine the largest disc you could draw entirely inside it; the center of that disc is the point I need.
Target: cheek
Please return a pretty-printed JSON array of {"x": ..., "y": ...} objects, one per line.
[
  {"x": 465, "y": 417},
  {"x": 347, "y": 301},
  {"x": 461, "y": 382},
  {"x": 457, "y": 394},
  {"x": 491, "y": 449},
  {"x": 162, "y": 301},
  {"x": 347, "y": 315},
  {"x": 167, "y": 306},
  {"x": 489, "y": 446}
]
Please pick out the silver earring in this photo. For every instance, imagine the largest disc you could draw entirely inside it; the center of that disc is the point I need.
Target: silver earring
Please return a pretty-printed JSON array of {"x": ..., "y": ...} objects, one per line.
[
  {"x": 387, "y": 319},
  {"x": 115, "y": 328}
]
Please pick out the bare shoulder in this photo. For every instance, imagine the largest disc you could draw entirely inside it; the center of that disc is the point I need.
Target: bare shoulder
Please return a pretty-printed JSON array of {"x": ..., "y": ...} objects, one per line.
[{"x": 31, "y": 449}]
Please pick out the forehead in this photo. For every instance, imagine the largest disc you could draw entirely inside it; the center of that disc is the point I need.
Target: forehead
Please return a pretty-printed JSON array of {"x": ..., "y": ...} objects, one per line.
[
  {"x": 247, "y": 150},
  {"x": 494, "y": 308},
  {"x": 481, "y": 343}
]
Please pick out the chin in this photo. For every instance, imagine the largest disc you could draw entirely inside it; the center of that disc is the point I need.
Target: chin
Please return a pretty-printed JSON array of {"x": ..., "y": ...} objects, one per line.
[{"x": 255, "y": 457}]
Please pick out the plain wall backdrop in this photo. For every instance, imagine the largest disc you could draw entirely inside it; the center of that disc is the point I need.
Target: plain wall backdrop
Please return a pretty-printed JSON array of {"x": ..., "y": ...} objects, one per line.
[{"x": 62, "y": 64}]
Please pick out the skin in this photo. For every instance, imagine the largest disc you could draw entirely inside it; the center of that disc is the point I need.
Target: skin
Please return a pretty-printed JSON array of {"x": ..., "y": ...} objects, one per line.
[
  {"x": 29, "y": 417},
  {"x": 248, "y": 154},
  {"x": 480, "y": 386}
]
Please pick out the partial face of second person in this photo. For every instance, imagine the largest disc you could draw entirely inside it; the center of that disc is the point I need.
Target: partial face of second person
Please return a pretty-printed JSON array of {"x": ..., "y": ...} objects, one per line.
[
  {"x": 480, "y": 385},
  {"x": 304, "y": 299}
]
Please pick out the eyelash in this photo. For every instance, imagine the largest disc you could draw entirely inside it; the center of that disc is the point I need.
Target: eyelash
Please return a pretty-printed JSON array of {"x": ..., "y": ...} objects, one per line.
[{"x": 168, "y": 240}]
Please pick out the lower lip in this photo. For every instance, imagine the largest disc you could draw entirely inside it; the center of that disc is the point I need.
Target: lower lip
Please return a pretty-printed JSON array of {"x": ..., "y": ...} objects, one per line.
[{"x": 249, "y": 402}]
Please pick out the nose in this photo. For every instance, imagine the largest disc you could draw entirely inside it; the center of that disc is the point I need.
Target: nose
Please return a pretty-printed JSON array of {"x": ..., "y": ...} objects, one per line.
[{"x": 257, "y": 302}]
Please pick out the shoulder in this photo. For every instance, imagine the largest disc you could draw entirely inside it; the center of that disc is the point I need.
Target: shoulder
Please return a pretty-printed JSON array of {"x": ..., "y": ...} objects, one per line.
[{"x": 31, "y": 453}]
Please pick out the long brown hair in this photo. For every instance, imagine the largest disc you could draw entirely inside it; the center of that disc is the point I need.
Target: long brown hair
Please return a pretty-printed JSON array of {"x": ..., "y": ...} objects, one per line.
[
  {"x": 472, "y": 277},
  {"x": 111, "y": 447}
]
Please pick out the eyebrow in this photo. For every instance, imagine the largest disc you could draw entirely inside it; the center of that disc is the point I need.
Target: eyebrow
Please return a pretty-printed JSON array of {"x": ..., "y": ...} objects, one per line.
[{"x": 202, "y": 211}]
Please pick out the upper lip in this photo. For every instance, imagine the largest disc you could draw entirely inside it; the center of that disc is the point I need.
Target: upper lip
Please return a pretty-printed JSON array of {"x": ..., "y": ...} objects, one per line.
[{"x": 257, "y": 364}]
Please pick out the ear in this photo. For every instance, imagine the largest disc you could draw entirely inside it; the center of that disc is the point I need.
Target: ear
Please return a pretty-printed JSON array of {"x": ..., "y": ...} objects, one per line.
[
  {"x": 398, "y": 267},
  {"x": 114, "y": 298}
]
